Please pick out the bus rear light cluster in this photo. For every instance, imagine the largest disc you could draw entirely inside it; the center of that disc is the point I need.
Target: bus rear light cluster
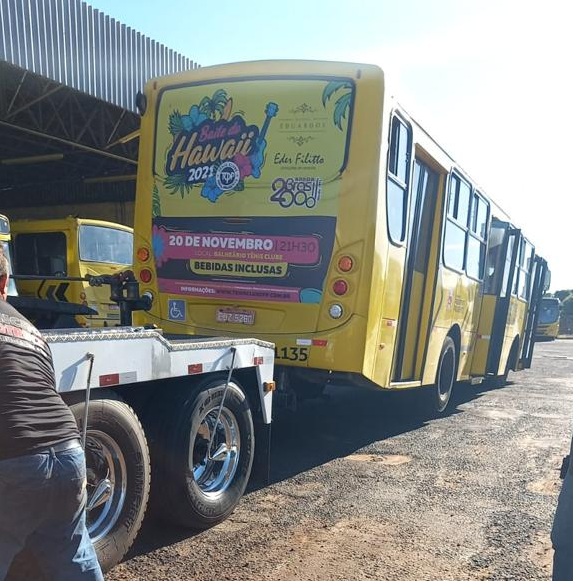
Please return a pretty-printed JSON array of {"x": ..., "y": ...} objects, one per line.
[
  {"x": 340, "y": 287},
  {"x": 345, "y": 263},
  {"x": 143, "y": 254},
  {"x": 336, "y": 311},
  {"x": 145, "y": 275}
]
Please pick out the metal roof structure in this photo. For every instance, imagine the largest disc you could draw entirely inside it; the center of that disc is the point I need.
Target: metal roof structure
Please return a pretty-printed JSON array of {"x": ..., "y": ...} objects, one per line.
[
  {"x": 80, "y": 47},
  {"x": 69, "y": 75}
]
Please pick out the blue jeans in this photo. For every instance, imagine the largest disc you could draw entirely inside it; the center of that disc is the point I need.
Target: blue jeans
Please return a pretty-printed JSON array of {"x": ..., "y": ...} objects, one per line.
[
  {"x": 562, "y": 533},
  {"x": 42, "y": 507}
]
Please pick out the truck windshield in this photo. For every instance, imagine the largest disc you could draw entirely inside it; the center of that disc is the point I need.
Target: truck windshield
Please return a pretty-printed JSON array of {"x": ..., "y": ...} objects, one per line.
[
  {"x": 103, "y": 244},
  {"x": 11, "y": 283}
]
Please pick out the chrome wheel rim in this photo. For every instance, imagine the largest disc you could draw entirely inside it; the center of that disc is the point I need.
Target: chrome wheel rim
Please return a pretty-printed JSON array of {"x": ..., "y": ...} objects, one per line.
[
  {"x": 106, "y": 483},
  {"x": 214, "y": 472}
]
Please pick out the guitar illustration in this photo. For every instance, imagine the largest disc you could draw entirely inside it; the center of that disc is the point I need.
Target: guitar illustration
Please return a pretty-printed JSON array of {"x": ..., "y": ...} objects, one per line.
[
  {"x": 256, "y": 159},
  {"x": 258, "y": 156}
]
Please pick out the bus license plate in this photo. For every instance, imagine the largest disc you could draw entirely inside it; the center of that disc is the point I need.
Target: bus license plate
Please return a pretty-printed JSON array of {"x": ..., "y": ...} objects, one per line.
[{"x": 237, "y": 316}]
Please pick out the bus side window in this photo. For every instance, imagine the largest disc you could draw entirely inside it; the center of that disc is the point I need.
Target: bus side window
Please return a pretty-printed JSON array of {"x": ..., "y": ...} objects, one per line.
[
  {"x": 495, "y": 267},
  {"x": 477, "y": 237},
  {"x": 525, "y": 269},
  {"x": 456, "y": 223},
  {"x": 507, "y": 268},
  {"x": 397, "y": 180}
]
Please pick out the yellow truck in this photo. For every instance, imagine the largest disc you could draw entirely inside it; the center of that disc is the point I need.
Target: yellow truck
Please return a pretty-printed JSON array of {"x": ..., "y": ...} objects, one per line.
[
  {"x": 72, "y": 247},
  {"x": 5, "y": 248}
]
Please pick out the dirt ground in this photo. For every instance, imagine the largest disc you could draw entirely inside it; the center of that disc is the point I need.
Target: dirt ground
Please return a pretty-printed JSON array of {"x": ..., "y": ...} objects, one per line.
[{"x": 364, "y": 488}]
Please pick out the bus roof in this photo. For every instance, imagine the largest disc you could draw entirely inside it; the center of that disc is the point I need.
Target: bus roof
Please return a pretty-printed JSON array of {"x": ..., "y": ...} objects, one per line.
[
  {"x": 497, "y": 210},
  {"x": 272, "y": 68},
  {"x": 69, "y": 222},
  {"x": 266, "y": 68}
]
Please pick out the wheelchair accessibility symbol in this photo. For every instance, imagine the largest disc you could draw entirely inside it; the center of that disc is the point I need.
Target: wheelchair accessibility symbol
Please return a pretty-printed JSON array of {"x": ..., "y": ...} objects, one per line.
[{"x": 176, "y": 310}]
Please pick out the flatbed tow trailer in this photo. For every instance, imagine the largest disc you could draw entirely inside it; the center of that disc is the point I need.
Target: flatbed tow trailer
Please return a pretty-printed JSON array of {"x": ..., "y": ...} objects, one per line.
[{"x": 169, "y": 421}]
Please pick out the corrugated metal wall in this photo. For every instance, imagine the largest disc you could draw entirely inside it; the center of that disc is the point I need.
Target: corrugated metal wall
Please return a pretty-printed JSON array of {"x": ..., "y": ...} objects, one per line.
[{"x": 81, "y": 47}]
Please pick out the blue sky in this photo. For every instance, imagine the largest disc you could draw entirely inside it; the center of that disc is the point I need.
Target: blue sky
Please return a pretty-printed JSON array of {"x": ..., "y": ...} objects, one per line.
[{"x": 491, "y": 80}]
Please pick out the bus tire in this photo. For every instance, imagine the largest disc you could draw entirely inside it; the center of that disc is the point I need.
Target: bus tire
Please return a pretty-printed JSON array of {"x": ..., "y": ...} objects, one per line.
[
  {"x": 445, "y": 376},
  {"x": 501, "y": 380},
  {"x": 189, "y": 488},
  {"x": 116, "y": 451}
]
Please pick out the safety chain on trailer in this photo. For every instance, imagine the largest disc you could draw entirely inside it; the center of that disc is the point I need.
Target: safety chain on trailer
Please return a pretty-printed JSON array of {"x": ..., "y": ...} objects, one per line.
[
  {"x": 90, "y": 357},
  {"x": 223, "y": 448}
]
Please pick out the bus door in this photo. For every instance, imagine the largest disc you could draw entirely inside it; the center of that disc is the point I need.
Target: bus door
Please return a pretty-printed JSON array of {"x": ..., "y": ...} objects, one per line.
[
  {"x": 421, "y": 220},
  {"x": 509, "y": 254},
  {"x": 537, "y": 291}
]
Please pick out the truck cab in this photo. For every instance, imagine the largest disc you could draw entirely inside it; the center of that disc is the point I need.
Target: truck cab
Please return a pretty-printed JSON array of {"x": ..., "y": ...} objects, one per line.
[
  {"x": 5, "y": 238},
  {"x": 72, "y": 247}
]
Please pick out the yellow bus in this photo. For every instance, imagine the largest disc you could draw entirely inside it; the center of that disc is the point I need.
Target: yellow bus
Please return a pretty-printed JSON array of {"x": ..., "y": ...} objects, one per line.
[
  {"x": 515, "y": 280},
  {"x": 548, "y": 324},
  {"x": 72, "y": 247},
  {"x": 296, "y": 201}
]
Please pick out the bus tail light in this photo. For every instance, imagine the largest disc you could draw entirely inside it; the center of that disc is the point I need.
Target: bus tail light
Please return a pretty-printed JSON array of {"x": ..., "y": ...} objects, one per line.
[
  {"x": 143, "y": 254},
  {"x": 340, "y": 287},
  {"x": 145, "y": 275},
  {"x": 345, "y": 263}
]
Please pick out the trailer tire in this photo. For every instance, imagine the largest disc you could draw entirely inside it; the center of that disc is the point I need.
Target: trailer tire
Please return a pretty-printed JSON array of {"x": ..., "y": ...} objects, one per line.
[
  {"x": 445, "y": 376},
  {"x": 115, "y": 443},
  {"x": 187, "y": 490}
]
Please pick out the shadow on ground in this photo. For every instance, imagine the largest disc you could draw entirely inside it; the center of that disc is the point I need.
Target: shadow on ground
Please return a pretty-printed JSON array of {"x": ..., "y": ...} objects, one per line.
[
  {"x": 337, "y": 425},
  {"x": 324, "y": 429},
  {"x": 349, "y": 419}
]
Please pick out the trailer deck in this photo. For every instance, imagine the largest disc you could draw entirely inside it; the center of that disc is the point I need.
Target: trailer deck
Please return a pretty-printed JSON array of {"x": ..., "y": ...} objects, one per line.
[{"x": 130, "y": 355}]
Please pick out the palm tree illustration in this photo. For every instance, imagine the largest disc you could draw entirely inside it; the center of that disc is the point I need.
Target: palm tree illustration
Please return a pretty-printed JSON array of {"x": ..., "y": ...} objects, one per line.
[
  {"x": 344, "y": 101},
  {"x": 218, "y": 105}
]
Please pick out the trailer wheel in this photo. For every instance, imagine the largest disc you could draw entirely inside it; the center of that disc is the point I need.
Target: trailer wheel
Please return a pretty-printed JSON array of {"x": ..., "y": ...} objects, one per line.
[
  {"x": 192, "y": 488},
  {"x": 118, "y": 470},
  {"x": 445, "y": 376}
]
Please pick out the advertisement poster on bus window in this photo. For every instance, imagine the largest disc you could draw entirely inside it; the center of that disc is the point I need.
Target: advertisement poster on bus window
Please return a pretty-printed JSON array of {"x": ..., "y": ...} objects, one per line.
[{"x": 247, "y": 177}]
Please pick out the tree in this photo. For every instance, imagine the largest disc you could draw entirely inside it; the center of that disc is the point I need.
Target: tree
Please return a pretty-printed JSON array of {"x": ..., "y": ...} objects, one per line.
[
  {"x": 563, "y": 294},
  {"x": 567, "y": 306}
]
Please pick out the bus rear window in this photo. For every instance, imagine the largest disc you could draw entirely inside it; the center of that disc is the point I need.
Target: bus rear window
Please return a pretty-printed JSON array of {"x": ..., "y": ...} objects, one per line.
[
  {"x": 102, "y": 244},
  {"x": 247, "y": 185}
]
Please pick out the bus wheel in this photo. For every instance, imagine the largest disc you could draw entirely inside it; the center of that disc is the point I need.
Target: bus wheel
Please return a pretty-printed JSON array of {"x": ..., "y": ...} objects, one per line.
[
  {"x": 193, "y": 486},
  {"x": 446, "y": 375},
  {"x": 501, "y": 380},
  {"x": 118, "y": 475}
]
